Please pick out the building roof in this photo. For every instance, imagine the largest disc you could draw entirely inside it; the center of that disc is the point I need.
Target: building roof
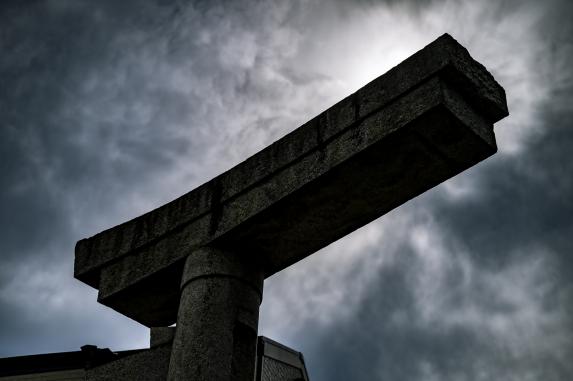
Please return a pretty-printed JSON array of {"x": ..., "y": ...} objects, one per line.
[
  {"x": 275, "y": 362},
  {"x": 89, "y": 356}
]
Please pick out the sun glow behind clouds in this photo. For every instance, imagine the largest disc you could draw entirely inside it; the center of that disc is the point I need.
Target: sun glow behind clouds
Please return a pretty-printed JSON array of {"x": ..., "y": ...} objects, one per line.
[
  {"x": 370, "y": 40},
  {"x": 328, "y": 288},
  {"x": 161, "y": 107}
]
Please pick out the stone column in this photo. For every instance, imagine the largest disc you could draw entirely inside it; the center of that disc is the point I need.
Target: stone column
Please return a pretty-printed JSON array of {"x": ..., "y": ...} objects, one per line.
[{"x": 217, "y": 321}]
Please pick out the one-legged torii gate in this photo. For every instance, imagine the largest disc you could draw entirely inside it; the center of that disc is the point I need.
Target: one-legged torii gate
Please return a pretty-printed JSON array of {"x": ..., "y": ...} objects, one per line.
[{"x": 200, "y": 260}]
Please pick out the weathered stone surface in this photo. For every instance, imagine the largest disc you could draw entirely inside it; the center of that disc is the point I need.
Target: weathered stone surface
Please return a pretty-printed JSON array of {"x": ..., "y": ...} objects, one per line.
[
  {"x": 161, "y": 335},
  {"x": 421, "y": 123},
  {"x": 216, "y": 332}
]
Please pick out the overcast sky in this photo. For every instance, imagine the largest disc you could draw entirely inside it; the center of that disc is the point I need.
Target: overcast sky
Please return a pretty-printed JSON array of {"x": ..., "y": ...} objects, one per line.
[{"x": 111, "y": 108}]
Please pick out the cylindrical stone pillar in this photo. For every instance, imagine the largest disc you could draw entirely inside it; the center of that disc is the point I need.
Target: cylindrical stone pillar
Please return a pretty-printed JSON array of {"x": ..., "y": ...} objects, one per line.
[{"x": 217, "y": 321}]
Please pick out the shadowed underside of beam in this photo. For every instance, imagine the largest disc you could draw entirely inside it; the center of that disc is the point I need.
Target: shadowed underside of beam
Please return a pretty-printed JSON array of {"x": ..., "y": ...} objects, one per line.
[{"x": 421, "y": 123}]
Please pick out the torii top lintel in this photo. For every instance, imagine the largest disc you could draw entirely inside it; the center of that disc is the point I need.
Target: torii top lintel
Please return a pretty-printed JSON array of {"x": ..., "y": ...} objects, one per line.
[{"x": 424, "y": 121}]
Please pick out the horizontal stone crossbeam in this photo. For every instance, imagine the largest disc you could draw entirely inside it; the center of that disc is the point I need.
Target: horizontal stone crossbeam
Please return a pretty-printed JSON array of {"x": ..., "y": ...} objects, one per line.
[{"x": 422, "y": 122}]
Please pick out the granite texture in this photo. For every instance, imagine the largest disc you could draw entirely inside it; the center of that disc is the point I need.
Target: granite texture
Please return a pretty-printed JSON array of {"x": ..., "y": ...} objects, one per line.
[
  {"x": 414, "y": 127},
  {"x": 217, "y": 322}
]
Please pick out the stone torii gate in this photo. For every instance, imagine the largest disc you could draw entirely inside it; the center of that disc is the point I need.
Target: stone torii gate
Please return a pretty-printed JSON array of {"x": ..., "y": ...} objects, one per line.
[{"x": 200, "y": 260}]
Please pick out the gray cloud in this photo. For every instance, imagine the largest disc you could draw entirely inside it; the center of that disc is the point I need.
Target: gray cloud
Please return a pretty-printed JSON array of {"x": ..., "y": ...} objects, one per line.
[
  {"x": 117, "y": 107},
  {"x": 112, "y": 108},
  {"x": 480, "y": 286}
]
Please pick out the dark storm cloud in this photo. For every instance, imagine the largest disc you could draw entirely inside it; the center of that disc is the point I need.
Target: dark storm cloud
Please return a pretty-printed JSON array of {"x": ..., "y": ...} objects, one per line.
[
  {"x": 111, "y": 108},
  {"x": 29, "y": 93},
  {"x": 385, "y": 338},
  {"x": 520, "y": 220},
  {"x": 533, "y": 194},
  {"x": 399, "y": 348},
  {"x": 49, "y": 50},
  {"x": 499, "y": 307},
  {"x": 525, "y": 201},
  {"x": 61, "y": 143},
  {"x": 414, "y": 4},
  {"x": 52, "y": 47}
]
